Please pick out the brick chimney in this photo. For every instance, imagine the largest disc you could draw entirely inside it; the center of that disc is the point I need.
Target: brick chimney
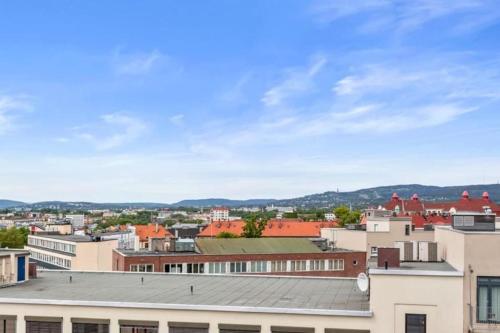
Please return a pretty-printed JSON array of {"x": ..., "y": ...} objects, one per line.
[{"x": 388, "y": 257}]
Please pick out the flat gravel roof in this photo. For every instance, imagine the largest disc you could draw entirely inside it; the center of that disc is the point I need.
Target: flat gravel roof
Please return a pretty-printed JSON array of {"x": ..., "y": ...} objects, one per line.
[{"x": 329, "y": 296}]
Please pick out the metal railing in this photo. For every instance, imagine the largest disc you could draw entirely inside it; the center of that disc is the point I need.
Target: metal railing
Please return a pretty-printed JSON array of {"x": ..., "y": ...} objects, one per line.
[{"x": 486, "y": 314}]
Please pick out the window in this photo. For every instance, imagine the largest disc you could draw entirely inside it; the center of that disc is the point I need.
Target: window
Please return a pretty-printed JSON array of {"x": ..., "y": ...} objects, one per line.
[
  {"x": 317, "y": 265},
  {"x": 407, "y": 230},
  {"x": 374, "y": 251},
  {"x": 258, "y": 266},
  {"x": 43, "y": 327},
  {"x": 336, "y": 264},
  {"x": 238, "y": 267},
  {"x": 298, "y": 265},
  {"x": 147, "y": 268},
  {"x": 195, "y": 268},
  {"x": 488, "y": 299},
  {"x": 7, "y": 324},
  {"x": 415, "y": 323},
  {"x": 217, "y": 267},
  {"x": 180, "y": 327},
  {"x": 138, "y": 329},
  {"x": 173, "y": 268},
  {"x": 90, "y": 328},
  {"x": 278, "y": 266}
]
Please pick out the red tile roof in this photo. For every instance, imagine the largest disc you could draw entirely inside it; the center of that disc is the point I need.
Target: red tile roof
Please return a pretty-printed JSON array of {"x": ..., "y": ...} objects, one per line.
[
  {"x": 274, "y": 228},
  {"x": 412, "y": 205},
  {"x": 149, "y": 231},
  {"x": 419, "y": 221},
  {"x": 465, "y": 203}
]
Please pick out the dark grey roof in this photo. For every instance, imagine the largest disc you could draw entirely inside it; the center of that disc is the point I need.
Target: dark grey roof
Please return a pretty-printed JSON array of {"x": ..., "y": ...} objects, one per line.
[{"x": 332, "y": 296}]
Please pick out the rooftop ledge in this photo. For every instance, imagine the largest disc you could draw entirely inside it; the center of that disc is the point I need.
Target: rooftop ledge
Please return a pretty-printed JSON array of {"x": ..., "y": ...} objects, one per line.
[{"x": 257, "y": 294}]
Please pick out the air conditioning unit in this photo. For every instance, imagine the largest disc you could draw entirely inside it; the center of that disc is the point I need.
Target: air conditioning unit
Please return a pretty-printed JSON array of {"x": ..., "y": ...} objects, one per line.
[{"x": 427, "y": 251}]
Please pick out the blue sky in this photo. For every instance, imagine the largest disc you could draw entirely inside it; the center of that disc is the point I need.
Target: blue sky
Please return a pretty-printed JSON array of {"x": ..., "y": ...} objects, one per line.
[{"x": 166, "y": 100}]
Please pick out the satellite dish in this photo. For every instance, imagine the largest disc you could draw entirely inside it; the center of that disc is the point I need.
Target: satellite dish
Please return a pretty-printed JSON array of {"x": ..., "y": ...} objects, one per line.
[{"x": 362, "y": 282}]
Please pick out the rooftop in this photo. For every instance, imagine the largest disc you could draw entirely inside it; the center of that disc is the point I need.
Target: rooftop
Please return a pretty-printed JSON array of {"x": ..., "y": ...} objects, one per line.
[
  {"x": 256, "y": 246},
  {"x": 274, "y": 228},
  {"x": 8, "y": 252},
  {"x": 440, "y": 268},
  {"x": 68, "y": 238},
  {"x": 322, "y": 296}
]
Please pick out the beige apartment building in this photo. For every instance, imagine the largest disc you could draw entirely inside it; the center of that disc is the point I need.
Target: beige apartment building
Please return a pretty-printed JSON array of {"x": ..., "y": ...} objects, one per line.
[
  {"x": 380, "y": 232},
  {"x": 476, "y": 254},
  {"x": 72, "y": 252}
]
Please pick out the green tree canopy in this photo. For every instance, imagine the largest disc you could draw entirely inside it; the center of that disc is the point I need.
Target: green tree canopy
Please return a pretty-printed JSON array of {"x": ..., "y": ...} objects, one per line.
[
  {"x": 346, "y": 216},
  {"x": 226, "y": 234},
  {"x": 254, "y": 225},
  {"x": 13, "y": 238}
]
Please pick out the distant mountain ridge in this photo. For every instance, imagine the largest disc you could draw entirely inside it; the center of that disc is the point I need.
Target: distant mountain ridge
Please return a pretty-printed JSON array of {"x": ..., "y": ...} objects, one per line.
[
  {"x": 359, "y": 198},
  {"x": 10, "y": 203},
  {"x": 222, "y": 202},
  {"x": 382, "y": 194}
]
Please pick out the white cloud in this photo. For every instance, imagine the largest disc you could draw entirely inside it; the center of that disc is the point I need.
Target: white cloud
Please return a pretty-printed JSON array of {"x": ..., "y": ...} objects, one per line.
[
  {"x": 62, "y": 140},
  {"x": 123, "y": 129},
  {"x": 373, "y": 99},
  {"x": 172, "y": 177},
  {"x": 137, "y": 64},
  {"x": 9, "y": 108},
  {"x": 177, "y": 119},
  {"x": 377, "y": 78},
  {"x": 403, "y": 15},
  {"x": 235, "y": 95},
  {"x": 297, "y": 81}
]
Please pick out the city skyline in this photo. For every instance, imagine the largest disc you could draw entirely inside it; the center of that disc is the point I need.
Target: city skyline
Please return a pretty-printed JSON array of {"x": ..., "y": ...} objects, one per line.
[{"x": 162, "y": 102}]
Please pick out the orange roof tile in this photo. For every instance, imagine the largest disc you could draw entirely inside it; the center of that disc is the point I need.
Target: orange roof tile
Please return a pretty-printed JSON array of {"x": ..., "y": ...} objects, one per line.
[
  {"x": 149, "y": 231},
  {"x": 274, "y": 228}
]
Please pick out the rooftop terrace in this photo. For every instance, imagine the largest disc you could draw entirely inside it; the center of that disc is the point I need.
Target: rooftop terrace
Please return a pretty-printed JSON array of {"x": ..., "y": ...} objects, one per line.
[{"x": 323, "y": 296}]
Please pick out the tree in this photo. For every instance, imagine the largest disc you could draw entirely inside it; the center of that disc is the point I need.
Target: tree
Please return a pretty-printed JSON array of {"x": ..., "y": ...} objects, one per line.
[
  {"x": 226, "y": 234},
  {"x": 346, "y": 216},
  {"x": 13, "y": 237},
  {"x": 254, "y": 225}
]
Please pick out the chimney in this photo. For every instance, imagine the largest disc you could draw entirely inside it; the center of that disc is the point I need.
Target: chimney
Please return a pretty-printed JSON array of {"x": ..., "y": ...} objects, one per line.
[
  {"x": 157, "y": 244},
  {"x": 388, "y": 257},
  {"x": 156, "y": 227},
  {"x": 171, "y": 247}
]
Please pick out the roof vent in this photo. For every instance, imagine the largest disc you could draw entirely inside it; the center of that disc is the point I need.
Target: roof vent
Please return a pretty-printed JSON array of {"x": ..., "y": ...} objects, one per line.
[
  {"x": 486, "y": 196},
  {"x": 465, "y": 195}
]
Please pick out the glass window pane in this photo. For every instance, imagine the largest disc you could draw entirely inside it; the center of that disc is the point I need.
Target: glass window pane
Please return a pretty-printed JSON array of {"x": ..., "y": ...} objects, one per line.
[{"x": 416, "y": 323}]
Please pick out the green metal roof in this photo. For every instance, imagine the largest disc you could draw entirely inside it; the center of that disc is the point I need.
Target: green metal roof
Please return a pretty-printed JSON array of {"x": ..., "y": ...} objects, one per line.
[{"x": 255, "y": 245}]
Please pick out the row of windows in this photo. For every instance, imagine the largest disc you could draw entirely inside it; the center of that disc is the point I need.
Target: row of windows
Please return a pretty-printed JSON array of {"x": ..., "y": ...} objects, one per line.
[
  {"x": 414, "y": 323},
  {"x": 53, "y": 245},
  {"x": 142, "y": 268},
  {"x": 247, "y": 267},
  {"x": 50, "y": 259}
]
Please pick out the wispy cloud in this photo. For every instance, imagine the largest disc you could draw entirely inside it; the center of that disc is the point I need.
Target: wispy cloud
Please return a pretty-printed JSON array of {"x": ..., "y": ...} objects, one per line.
[
  {"x": 234, "y": 95},
  {"x": 177, "y": 119},
  {"x": 9, "y": 106},
  {"x": 377, "y": 98},
  {"x": 297, "y": 81},
  {"x": 123, "y": 129},
  {"x": 137, "y": 63},
  {"x": 404, "y": 16}
]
